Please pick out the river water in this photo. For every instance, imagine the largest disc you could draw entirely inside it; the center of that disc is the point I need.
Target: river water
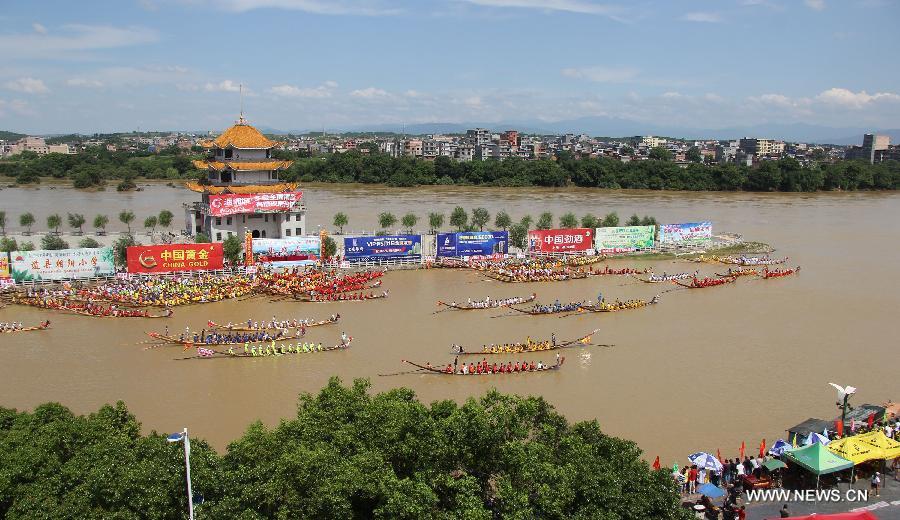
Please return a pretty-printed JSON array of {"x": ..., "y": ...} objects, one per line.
[{"x": 704, "y": 370}]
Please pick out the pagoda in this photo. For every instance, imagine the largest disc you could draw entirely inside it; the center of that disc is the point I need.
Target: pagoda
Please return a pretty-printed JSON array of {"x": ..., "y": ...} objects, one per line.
[{"x": 242, "y": 192}]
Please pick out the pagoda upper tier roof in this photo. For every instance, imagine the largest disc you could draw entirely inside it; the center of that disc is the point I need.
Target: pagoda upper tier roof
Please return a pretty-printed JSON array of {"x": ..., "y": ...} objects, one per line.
[
  {"x": 243, "y": 166},
  {"x": 241, "y": 136},
  {"x": 242, "y": 189}
]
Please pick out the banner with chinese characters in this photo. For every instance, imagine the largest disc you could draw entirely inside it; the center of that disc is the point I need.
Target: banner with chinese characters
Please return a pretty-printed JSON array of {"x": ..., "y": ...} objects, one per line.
[
  {"x": 174, "y": 257},
  {"x": 61, "y": 264},
  {"x": 688, "y": 232},
  {"x": 472, "y": 243},
  {"x": 234, "y": 203},
  {"x": 285, "y": 252},
  {"x": 624, "y": 239},
  {"x": 389, "y": 247},
  {"x": 560, "y": 240}
]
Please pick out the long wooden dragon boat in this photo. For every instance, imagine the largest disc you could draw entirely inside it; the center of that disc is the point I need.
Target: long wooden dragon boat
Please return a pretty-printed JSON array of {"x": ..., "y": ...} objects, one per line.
[
  {"x": 737, "y": 272},
  {"x": 343, "y": 300},
  {"x": 101, "y": 312},
  {"x": 778, "y": 273},
  {"x": 620, "y": 306},
  {"x": 706, "y": 283},
  {"x": 279, "y": 350},
  {"x": 625, "y": 271},
  {"x": 665, "y": 278},
  {"x": 448, "y": 371},
  {"x": 491, "y": 304},
  {"x": 528, "y": 346},
  {"x": 569, "y": 307},
  {"x": 753, "y": 261},
  {"x": 188, "y": 342},
  {"x": 266, "y": 326},
  {"x": 44, "y": 325}
]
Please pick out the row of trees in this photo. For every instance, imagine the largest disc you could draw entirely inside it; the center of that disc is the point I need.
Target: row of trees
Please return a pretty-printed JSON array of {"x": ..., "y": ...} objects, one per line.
[
  {"x": 77, "y": 221},
  {"x": 346, "y": 454},
  {"x": 96, "y": 165}
]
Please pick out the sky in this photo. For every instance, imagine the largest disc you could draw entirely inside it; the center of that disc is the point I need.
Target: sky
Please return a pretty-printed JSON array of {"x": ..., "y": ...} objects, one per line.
[{"x": 310, "y": 64}]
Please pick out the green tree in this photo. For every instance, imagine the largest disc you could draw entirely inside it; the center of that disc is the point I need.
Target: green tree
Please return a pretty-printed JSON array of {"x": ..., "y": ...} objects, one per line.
[
  {"x": 386, "y": 220},
  {"x": 693, "y": 155},
  {"x": 568, "y": 221},
  {"x": 648, "y": 221},
  {"x": 26, "y": 246},
  {"x": 435, "y": 221},
  {"x": 526, "y": 221},
  {"x": 150, "y": 223},
  {"x": 100, "y": 222},
  {"x": 165, "y": 218},
  {"x": 340, "y": 220},
  {"x": 502, "y": 220},
  {"x": 634, "y": 220},
  {"x": 120, "y": 248},
  {"x": 8, "y": 245},
  {"x": 2, "y": 222},
  {"x": 76, "y": 221},
  {"x": 26, "y": 220},
  {"x": 231, "y": 249},
  {"x": 201, "y": 238},
  {"x": 660, "y": 153},
  {"x": 480, "y": 217},
  {"x": 53, "y": 223},
  {"x": 518, "y": 235},
  {"x": 626, "y": 150},
  {"x": 329, "y": 247},
  {"x": 459, "y": 218},
  {"x": 89, "y": 243},
  {"x": 126, "y": 217},
  {"x": 545, "y": 221},
  {"x": 610, "y": 220},
  {"x": 590, "y": 221},
  {"x": 53, "y": 242},
  {"x": 409, "y": 221}
]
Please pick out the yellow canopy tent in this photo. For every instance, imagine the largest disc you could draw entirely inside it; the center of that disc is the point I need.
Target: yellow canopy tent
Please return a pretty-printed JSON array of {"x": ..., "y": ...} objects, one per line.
[
  {"x": 889, "y": 447},
  {"x": 855, "y": 450}
]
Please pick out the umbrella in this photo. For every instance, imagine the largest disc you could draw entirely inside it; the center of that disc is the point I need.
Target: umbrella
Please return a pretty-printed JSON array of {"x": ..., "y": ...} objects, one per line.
[
  {"x": 711, "y": 491},
  {"x": 773, "y": 464},
  {"x": 780, "y": 447},
  {"x": 816, "y": 437},
  {"x": 705, "y": 461}
]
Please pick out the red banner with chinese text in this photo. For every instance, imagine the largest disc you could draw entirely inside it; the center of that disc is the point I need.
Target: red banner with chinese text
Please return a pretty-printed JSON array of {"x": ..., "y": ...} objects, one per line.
[
  {"x": 174, "y": 257},
  {"x": 234, "y": 203},
  {"x": 560, "y": 240}
]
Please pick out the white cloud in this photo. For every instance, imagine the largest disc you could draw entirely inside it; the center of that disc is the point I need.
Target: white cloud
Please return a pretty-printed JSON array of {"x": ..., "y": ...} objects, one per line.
[
  {"x": 77, "y": 38},
  {"x": 15, "y": 106},
  {"x": 84, "y": 82},
  {"x": 849, "y": 99},
  {"x": 700, "y": 16},
  {"x": 571, "y": 6},
  {"x": 331, "y": 84},
  {"x": 672, "y": 95},
  {"x": 323, "y": 91},
  {"x": 27, "y": 85},
  {"x": 472, "y": 101},
  {"x": 818, "y": 5},
  {"x": 369, "y": 93},
  {"x": 325, "y": 7},
  {"x": 600, "y": 74},
  {"x": 38, "y": 28},
  {"x": 763, "y": 3},
  {"x": 223, "y": 86}
]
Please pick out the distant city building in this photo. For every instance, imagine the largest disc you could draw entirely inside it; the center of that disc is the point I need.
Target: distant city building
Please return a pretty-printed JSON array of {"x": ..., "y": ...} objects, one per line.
[
  {"x": 761, "y": 147},
  {"x": 510, "y": 136},
  {"x": 871, "y": 150},
  {"x": 652, "y": 142},
  {"x": 478, "y": 136}
]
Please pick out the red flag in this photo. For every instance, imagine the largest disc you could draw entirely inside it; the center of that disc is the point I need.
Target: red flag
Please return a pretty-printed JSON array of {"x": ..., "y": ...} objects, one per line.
[
  {"x": 762, "y": 448},
  {"x": 742, "y": 449},
  {"x": 871, "y": 420},
  {"x": 719, "y": 456},
  {"x": 656, "y": 465},
  {"x": 839, "y": 427}
]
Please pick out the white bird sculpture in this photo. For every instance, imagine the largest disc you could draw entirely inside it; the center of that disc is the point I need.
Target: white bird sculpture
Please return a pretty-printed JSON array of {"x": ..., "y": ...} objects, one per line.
[{"x": 843, "y": 391}]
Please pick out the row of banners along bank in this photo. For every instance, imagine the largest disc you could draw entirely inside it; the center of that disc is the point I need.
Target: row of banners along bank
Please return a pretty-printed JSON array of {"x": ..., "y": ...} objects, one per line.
[{"x": 66, "y": 264}]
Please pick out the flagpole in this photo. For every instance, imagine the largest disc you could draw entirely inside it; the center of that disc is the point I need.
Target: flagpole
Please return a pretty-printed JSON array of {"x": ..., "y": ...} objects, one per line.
[{"x": 187, "y": 467}]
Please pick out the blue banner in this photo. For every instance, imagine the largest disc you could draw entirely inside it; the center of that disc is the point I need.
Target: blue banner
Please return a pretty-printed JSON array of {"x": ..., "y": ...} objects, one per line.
[
  {"x": 474, "y": 243},
  {"x": 391, "y": 247}
]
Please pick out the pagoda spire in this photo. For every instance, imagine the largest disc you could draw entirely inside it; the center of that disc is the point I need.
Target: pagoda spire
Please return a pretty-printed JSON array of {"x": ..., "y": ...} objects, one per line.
[{"x": 241, "y": 120}]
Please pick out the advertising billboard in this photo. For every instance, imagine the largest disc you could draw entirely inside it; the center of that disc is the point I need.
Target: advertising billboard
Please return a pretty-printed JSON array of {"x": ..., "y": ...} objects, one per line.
[
  {"x": 232, "y": 203},
  {"x": 61, "y": 264},
  {"x": 289, "y": 251},
  {"x": 4, "y": 265},
  {"x": 174, "y": 257},
  {"x": 624, "y": 239},
  {"x": 560, "y": 240},
  {"x": 472, "y": 243},
  {"x": 389, "y": 247},
  {"x": 688, "y": 232}
]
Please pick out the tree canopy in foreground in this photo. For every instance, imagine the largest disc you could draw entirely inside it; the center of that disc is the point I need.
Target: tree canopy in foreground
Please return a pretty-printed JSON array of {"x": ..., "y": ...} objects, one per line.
[{"x": 347, "y": 454}]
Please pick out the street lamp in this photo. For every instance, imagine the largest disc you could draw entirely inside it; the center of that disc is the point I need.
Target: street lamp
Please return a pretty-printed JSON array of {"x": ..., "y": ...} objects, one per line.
[{"x": 183, "y": 438}]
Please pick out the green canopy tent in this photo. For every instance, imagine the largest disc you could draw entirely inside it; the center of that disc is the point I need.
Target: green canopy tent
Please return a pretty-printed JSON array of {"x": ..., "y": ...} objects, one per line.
[{"x": 817, "y": 459}]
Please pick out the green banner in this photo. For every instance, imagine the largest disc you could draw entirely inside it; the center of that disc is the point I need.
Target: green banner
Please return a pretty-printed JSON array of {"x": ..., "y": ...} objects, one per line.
[{"x": 624, "y": 239}]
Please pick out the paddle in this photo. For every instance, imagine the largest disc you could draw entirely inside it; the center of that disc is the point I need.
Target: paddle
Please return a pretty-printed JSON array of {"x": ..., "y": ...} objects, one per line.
[{"x": 416, "y": 371}]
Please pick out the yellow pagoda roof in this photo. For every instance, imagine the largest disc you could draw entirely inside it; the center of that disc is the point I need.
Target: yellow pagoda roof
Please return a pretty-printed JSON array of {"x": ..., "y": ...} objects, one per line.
[
  {"x": 254, "y": 188},
  {"x": 244, "y": 166},
  {"x": 240, "y": 135}
]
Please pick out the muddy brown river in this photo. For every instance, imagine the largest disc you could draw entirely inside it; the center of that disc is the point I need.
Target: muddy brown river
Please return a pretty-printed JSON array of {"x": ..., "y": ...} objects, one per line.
[{"x": 704, "y": 370}]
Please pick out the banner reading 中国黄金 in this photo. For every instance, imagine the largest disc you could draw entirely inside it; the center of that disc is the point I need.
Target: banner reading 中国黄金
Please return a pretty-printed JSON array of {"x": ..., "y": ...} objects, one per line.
[
  {"x": 560, "y": 240},
  {"x": 174, "y": 257},
  {"x": 61, "y": 264},
  {"x": 688, "y": 232},
  {"x": 624, "y": 239}
]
